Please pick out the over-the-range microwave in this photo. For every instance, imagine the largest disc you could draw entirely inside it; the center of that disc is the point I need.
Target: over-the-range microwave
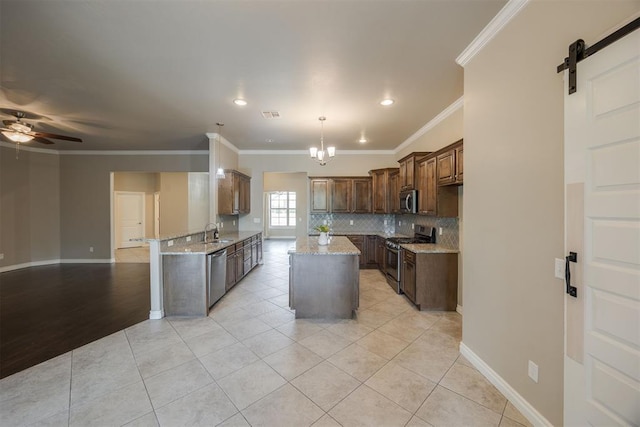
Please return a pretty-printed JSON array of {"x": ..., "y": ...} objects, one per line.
[{"x": 409, "y": 201}]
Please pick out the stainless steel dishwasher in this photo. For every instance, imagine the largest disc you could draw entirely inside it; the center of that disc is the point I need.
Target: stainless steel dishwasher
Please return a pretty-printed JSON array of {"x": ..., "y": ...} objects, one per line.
[{"x": 216, "y": 275}]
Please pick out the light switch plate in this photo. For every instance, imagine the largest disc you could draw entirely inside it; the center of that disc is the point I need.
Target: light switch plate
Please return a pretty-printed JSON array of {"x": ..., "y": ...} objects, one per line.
[
  {"x": 1, "y": 256},
  {"x": 256, "y": 220},
  {"x": 170, "y": 243},
  {"x": 533, "y": 371},
  {"x": 90, "y": 248},
  {"x": 559, "y": 269},
  {"x": 440, "y": 231},
  {"x": 188, "y": 238},
  {"x": 350, "y": 222}
]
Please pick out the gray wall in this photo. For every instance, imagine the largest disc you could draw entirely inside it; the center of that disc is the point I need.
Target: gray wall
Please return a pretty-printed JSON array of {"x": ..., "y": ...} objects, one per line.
[
  {"x": 513, "y": 191},
  {"x": 85, "y": 197},
  {"x": 29, "y": 206}
]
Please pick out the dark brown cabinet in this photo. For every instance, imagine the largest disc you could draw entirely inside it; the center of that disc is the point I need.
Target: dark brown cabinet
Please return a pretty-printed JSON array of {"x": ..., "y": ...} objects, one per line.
[
  {"x": 430, "y": 280},
  {"x": 408, "y": 275},
  {"x": 367, "y": 245},
  {"x": 320, "y": 195},
  {"x": 234, "y": 193},
  {"x": 380, "y": 253},
  {"x": 341, "y": 195},
  {"x": 382, "y": 192},
  {"x": 408, "y": 171},
  {"x": 358, "y": 242},
  {"x": 242, "y": 258},
  {"x": 434, "y": 199},
  {"x": 394, "y": 191},
  {"x": 450, "y": 164}
]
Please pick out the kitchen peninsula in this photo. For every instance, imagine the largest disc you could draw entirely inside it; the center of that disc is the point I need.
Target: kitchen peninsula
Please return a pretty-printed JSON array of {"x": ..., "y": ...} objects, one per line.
[{"x": 324, "y": 281}]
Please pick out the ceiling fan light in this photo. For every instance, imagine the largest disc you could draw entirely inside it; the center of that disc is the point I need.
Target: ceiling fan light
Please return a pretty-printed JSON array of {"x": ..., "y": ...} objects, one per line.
[{"x": 17, "y": 136}]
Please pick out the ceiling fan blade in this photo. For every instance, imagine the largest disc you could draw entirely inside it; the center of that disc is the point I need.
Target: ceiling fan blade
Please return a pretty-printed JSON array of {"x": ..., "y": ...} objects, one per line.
[
  {"x": 42, "y": 140},
  {"x": 54, "y": 136},
  {"x": 8, "y": 122}
]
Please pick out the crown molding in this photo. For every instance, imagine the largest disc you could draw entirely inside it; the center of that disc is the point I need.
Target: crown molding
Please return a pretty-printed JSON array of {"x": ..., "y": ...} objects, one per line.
[
  {"x": 215, "y": 135},
  {"x": 506, "y": 14},
  {"x": 133, "y": 152},
  {"x": 29, "y": 148},
  {"x": 457, "y": 104},
  {"x": 306, "y": 152}
]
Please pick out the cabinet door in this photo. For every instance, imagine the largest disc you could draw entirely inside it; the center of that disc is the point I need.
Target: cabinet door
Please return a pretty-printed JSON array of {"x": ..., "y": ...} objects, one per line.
[
  {"x": 431, "y": 188},
  {"x": 380, "y": 253},
  {"x": 361, "y": 195},
  {"x": 236, "y": 192},
  {"x": 320, "y": 196},
  {"x": 408, "y": 275},
  {"x": 341, "y": 195},
  {"x": 403, "y": 175},
  {"x": 245, "y": 195},
  {"x": 372, "y": 250},
  {"x": 231, "y": 271},
  {"x": 409, "y": 178},
  {"x": 225, "y": 195},
  {"x": 394, "y": 192},
  {"x": 447, "y": 168},
  {"x": 459, "y": 165},
  {"x": 379, "y": 191},
  {"x": 239, "y": 264}
]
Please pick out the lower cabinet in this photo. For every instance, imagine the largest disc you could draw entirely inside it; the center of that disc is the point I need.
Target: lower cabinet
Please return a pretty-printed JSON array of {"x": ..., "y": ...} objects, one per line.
[
  {"x": 242, "y": 258},
  {"x": 380, "y": 253},
  {"x": 367, "y": 247},
  {"x": 430, "y": 280}
]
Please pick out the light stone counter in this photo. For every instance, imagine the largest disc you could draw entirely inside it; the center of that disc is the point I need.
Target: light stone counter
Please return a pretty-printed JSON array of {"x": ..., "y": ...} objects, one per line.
[
  {"x": 200, "y": 248},
  {"x": 338, "y": 245},
  {"x": 428, "y": 248}
]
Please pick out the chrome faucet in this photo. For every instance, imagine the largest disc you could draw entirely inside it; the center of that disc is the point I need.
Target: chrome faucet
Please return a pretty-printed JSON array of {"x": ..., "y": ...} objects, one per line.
[{"x": 208, "y": 228}]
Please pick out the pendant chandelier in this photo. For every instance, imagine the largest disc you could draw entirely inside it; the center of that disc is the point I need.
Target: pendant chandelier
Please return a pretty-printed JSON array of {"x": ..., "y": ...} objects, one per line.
[
  {"x": 219, "y": 171},
  {"x": 321, "y": 156}
]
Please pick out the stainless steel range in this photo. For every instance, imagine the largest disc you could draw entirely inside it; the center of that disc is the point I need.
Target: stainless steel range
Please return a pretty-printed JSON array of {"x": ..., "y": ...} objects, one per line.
[{"x": 393, "y": 253}]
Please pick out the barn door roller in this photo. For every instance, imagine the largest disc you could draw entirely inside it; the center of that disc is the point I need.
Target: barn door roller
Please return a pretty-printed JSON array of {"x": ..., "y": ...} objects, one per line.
[{"x": 578, "y": 51}]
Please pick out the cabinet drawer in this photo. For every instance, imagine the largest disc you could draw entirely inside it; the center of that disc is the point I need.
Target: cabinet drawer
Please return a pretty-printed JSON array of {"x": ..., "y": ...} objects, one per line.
[{"x": 409, "y": 256}]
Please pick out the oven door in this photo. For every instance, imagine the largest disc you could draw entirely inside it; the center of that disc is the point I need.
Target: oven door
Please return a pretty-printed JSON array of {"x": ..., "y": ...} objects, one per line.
[{"x": 392, "y": 269}]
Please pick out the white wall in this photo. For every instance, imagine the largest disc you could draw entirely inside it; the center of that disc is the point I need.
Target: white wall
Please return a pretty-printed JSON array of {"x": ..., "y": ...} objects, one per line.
[{"x": 513, "y": 211}]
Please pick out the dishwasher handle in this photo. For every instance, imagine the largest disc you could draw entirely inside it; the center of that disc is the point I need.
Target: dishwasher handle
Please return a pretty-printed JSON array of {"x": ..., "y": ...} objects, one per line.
[{"x": 219, "y": 254}]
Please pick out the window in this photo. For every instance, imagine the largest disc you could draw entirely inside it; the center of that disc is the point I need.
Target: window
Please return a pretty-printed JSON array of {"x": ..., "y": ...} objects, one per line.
[{"x": 282, "y": 209}]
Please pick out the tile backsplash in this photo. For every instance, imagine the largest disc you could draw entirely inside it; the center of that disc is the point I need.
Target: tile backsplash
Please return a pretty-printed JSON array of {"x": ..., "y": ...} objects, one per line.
[{"x": 362, "y": 223}]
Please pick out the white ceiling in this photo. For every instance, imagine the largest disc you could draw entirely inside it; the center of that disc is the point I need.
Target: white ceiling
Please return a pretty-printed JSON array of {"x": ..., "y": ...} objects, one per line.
[{"x": 158, "y": 75}]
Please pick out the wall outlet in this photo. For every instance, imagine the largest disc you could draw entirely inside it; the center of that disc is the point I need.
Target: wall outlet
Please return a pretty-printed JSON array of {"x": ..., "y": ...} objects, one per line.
[
  {"x": 90, "y": 248},
  {"x": 170, "y": 243},
  {"x": 440, "y": 231},
  {"x": 1, "y": 256},
  {"x": 385, "y": 222},
  {"x": 222, "y": 225},
  {"x": 350, "y": 222},
  {"x": 324, "y": 222},
  {"x": 413, "y": 226},
  {"x": 559, "y": 269},
  {"x": 399, "y": 223},
  {"x": 256, "y": 220},
  {"x": 234, "y": 222},
  {"x": 533, "y": 371},
  {"x": 188, "y": 238}
]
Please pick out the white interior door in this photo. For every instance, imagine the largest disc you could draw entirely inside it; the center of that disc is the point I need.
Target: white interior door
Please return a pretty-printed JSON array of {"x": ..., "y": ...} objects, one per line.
[
  {"x": 129, "y": 219},
  {"x": 602, "y": 177}
]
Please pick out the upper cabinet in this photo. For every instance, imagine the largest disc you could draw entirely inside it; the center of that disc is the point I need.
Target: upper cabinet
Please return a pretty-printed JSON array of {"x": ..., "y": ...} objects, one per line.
[
  {"x": 427, "y": 187},
  {"x": 450, "y": 164},
  {"x": 385, "y": 189},
  {"x": 341, "y": 195},
  {"x": 408, "y": 171},
  {"x": 394, "y": 191},
  {"x": 234, "y": 193}
]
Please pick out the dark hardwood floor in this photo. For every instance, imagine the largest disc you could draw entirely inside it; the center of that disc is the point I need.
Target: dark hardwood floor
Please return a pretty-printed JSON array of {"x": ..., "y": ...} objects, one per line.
[{"x": 49, "y": 310}]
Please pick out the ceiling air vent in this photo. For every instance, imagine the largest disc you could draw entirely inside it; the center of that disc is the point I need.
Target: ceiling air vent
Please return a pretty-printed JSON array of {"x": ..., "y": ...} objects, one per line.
[{"x": 271, "y": 114}]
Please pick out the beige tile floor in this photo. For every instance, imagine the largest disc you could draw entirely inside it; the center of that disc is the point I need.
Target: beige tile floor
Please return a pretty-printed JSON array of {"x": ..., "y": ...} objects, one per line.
[
  {"x": 252, "y": 363},
  {"x": 139, "y": 254}
]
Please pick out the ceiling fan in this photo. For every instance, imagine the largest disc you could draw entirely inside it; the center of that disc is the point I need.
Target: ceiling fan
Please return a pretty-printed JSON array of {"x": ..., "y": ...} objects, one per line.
[{"x": 20, "y": 132}]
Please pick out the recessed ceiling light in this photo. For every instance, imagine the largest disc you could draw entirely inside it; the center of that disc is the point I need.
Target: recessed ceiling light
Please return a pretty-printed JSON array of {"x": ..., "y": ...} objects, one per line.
[
  {"x": 387, "y": 102},
  {"x": 240, "y": 102},
  {"x": 362, "y": 140}
]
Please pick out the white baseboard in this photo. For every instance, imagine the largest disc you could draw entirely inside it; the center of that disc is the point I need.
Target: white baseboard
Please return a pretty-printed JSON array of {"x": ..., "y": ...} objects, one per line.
[
  {"x": 55, "y": 261},
  {"x": 459, "y": 309},
  {"x": 156, "y": 314},
  {"x": 535, "y": 417}
]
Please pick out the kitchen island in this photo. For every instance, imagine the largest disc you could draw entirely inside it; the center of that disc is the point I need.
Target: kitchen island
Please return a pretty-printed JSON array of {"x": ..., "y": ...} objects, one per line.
[{"x": 324, "y": 281}]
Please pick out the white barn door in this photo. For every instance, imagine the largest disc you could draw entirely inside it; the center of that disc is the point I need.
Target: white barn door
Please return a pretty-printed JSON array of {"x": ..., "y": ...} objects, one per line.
[{"x": 602, "y": 177}]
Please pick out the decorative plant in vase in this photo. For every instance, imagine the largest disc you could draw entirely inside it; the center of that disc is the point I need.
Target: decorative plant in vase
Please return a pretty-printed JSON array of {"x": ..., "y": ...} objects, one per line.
[{"x": 323, "y": 239}]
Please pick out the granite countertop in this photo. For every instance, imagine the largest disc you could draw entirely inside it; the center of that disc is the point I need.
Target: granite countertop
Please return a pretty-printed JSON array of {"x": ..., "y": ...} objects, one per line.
[
  {"x": 200, "y": 248},
  {"x": 363, "y": 233},
  {"x": 428, "y": 248},
  {"x": 338, "y": 245}
]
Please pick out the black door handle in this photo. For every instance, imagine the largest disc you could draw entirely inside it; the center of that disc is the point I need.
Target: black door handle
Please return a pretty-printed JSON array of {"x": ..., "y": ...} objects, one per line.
[{"x": 571, "y": 290}]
